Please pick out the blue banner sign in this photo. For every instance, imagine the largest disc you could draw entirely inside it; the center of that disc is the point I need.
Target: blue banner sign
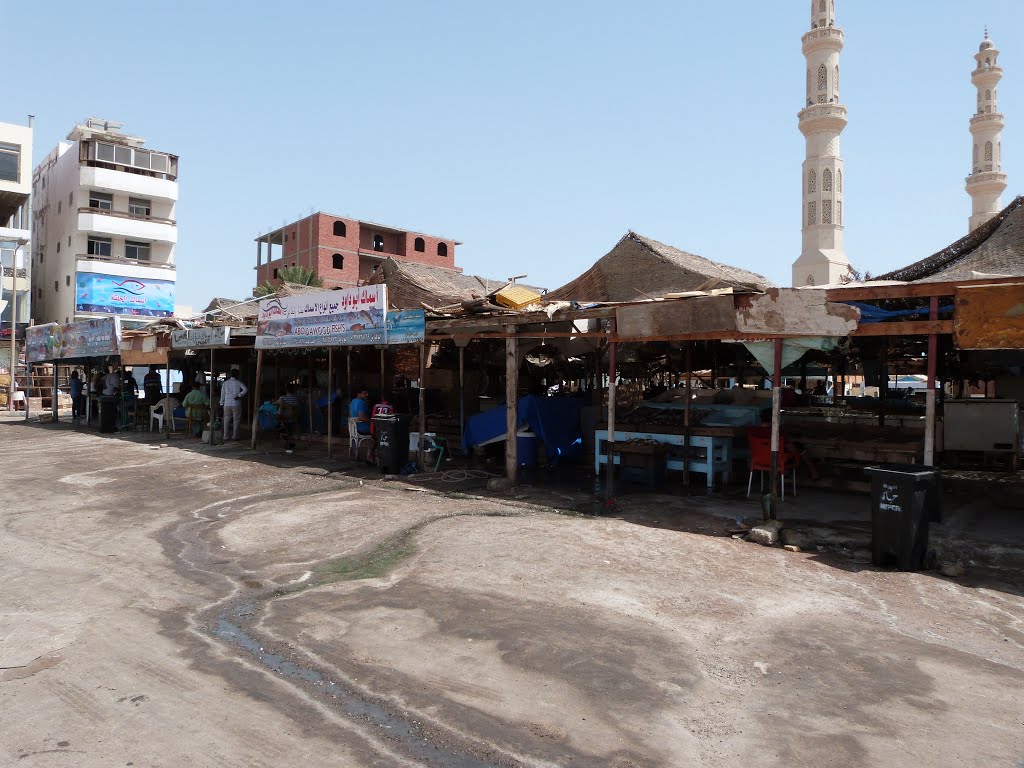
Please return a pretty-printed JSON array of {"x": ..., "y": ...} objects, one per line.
[
  {"x": 112, "y": 294},
  {"x": 407, "y": 326},
  {"x": 347, "y": 317}
]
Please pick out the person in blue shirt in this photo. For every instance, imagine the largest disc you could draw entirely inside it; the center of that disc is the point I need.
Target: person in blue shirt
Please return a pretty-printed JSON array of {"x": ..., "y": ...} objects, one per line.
[
  {"x": 359, "y": 409},
  {"x": 76, "y": 395}
]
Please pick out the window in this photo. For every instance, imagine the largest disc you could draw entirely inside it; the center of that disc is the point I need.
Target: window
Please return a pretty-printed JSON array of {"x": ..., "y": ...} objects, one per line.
[
  {"x": 275, "y": 273},
  {"x": 71, "y": 198},
  {"x": 58, "y": 206},
  {"x": 442, "y": 249},
  {"x": 975, "y": 156},
  {"x": 822, "y": 78},
  {"x": 809, "y": 82},
  {"x": 99, "y": 246},
  {"x": 138, "y": 206},
  {"x": 826, "y": 180},
  {"x": 812, "y": 181},
  {"x": 69, "y": 241},
  {"x": 826, "y": 211},
  {"x": 839, "y": 212},
  {"x": 419, "y": 245},
  {"x": 56, "y": 286},
  {"x": 339, "y": 229},
  {"x": 67, "y": 280},
  {"x": 101, "y": 200},
  {"x": 58, "y": 246},
  {"x": 10, "y": 162},
  {"x": 988, "y": 151},
  {"x": 338, "y": 261},
  {"x": 839, "y": 180},
  {"x": 378, "y": 242},
  {"x": 286, "y": 237},
  {"x": 835, "y": 81},
  {"x": 812, "y": 213},
  {"x": 136, "y": 251},
  {"x": 822, "y": 7}
]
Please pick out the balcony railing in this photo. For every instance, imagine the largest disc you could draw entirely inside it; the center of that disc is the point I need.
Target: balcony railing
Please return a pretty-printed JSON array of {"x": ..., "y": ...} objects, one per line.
[
  {"x": 127, "y": 215},
  {"x": 10, "y": 272},
  {"x": 123, "y": 260}
]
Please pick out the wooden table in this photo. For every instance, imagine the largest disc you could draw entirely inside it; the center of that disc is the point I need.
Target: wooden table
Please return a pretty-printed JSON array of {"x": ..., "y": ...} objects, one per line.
[{"x": 710, "y": 454}]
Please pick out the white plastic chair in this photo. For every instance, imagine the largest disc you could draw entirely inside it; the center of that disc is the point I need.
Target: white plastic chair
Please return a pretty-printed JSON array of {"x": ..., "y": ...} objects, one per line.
[
  {"x": 156, "y": 413},
  {"x": 355, "y": 439}
]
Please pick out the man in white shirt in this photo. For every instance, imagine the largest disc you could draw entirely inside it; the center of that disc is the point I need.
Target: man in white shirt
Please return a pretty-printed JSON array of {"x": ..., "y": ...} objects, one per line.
[
  {"x": 231, "y": 395},
  {"x": 112, "y": 383}
]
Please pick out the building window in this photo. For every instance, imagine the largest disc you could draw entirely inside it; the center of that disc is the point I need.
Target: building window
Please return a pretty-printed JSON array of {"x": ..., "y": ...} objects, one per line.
[
  {"x": 58, "y": 206},
  {"x": 812, "y": 213},
  {"x": 839, "y": 212},
  {"x": 442, "y": 249},
  {"x": 136, "y": 251},
  {"x": 826, "y": 180},
  {"x": 988, "y": 151},
  {"x": 101, "y": 200},
  {"x": 67, "y": 280},
  {"x": 56, "y": 286},
  {"x": 99, "y": 246},
  {"x": 275, "y": 273},
  {"x": 835, "y": 82},
  {"x": 826, "y": 211},
  {"x": 338, "y": 261},
  {"x": 419, "y": 245},
  {"x": 975, "y": 157},
  {"x": 822, "y": 8},
  {"x": 69, "y": 241},
  {"x": 138, "y": 206},
  {"x": 812, "y": 181},
  {"x": 822, "y": 78},
  {"x": 339, "y": 229},
  {"x": 378, "y": 242},
  {"x": 71, "y": 198},
  {"x": 58, "y": 246},
  {"x": 10, "y": 162},
  {"x": 286, "y": 237}
]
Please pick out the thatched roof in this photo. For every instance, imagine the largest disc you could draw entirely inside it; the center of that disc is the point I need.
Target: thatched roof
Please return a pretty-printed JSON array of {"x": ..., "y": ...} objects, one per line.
[
  {"x": 639, "y": 267},
  {"x": 411, "y": 285},
  {"x": 233, "y": 309},
  {"x": 994, "y": 248}
]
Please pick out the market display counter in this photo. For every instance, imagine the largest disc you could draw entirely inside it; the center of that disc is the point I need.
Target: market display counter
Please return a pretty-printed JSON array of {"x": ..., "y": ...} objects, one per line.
[
  {"x": 857, "y": 438},
  {"x": 709, "y": 449}
]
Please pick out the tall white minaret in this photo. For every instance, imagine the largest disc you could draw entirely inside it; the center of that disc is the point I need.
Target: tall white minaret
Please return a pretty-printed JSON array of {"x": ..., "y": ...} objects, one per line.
[
  {"x": 987, "y": 180},
  {"x": 823, "y": 258}
]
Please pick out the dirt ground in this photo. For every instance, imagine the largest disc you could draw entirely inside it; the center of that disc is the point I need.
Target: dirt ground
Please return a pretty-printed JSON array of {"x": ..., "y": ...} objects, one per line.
[{"x": 173, "y": 607}]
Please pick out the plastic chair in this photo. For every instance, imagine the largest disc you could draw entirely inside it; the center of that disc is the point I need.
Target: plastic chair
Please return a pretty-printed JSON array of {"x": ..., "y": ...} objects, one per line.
[
  {"x": 355, "y": 439},
  {"x": 156, "y": 413},
  {"x": 195, "y": 415},
  {"x": 761, "y": 461}
]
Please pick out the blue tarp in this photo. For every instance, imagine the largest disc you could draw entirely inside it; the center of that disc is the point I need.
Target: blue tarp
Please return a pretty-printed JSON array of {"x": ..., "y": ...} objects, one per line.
[
  {"x": 556, "y": 421},
  {"x": 873, "y": 314}
]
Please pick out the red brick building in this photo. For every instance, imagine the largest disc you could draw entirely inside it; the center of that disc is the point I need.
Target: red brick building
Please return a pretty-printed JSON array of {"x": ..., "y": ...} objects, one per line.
[{"x": 345, "y": 252}]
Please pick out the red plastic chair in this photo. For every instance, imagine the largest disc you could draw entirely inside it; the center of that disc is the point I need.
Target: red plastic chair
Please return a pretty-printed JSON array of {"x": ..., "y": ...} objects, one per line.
[{"x": 761, "y": 460}]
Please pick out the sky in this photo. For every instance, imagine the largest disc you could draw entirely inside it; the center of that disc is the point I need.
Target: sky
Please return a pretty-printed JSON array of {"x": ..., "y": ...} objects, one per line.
[{"x": 537, "y": 133}]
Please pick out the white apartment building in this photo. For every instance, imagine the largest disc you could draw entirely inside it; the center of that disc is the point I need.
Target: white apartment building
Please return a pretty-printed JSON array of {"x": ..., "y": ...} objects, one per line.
[
  {"x": 104, "y": 228},
  {"x": 15, "y": 189}
]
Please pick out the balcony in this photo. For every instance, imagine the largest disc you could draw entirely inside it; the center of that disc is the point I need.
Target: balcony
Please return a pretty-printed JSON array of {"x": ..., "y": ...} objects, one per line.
[
  {"x": 92, "y": 263},
  {"x": 129, "y": 225},
  {"x": 134, "y": 184}
]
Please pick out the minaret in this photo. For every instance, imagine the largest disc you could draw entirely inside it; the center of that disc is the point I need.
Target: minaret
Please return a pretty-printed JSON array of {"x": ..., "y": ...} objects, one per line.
[
  {"x": 823, "y": 259},
  {"x": 987, "y": 180}
]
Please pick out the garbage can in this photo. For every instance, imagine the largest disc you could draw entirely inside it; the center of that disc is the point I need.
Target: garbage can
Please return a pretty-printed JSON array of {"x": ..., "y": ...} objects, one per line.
[
  {"x": 108, "y": 414},
  {"x": 904, "y": 499},
  {"x": 392, "y": 436}
]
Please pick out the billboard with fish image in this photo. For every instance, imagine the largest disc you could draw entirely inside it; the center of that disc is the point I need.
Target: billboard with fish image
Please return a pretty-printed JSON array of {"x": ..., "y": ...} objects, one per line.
[
  {"x": 343, "y": 318},
  {"x": 111, "y": 294}
]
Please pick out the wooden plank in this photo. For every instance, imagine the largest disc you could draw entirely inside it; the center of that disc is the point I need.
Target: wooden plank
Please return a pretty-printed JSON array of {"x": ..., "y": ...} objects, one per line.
[
  {"x": 908, "y": 290},
  {"x": 906, "y": 328},
  {"x": 713, "y": 314},
  {"x": 792, "y": 312},
  {"x": 990, "y": 317},
  {"x": 512, "y": 409}
]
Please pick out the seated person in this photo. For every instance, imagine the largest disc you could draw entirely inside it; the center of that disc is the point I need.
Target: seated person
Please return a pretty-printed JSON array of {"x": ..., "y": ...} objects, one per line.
[
  {"x": 267, "y": 416},
  {"x": 359, "y": 409},
  {"x": 197, "y": 403}
]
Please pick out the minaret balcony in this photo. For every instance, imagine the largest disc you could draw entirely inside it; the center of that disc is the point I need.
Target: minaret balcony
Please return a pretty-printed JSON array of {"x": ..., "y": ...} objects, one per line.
[
  {"x": 987, "y": 121},
  {"x": 825, "y": 37},
  {"x": 987, "y": 75},
  {"x": 987, "y": 181},
  {"x": 822, "y": 117}
]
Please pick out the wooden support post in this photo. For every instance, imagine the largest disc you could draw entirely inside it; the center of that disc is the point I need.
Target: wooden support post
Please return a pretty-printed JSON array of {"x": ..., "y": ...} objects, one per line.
[
  {"x": 309, "y": 393},
  {"x": 462, "y": 391},
  {"x": 883, "y": 382},
  {"x": 776, "y": 416},
  {"x": 422, "y": 447},
  {"x": 348, "y": 377},
  {"x": 933, "y": 355},
  {"x": 213, "y": 405},
  {"x": 686, "y": 414},
  {"x": 168, "y": 411},
  {"x": 609, "y": 488},
  {"x": 256, "y": 398},
  {"x": 53, "y": 402},
  {"x": 512, "y": 409},
  {"x": 330, "y": 400},
  {"x": 382, "y": 387},
  {"x": 28, "y": 383}
]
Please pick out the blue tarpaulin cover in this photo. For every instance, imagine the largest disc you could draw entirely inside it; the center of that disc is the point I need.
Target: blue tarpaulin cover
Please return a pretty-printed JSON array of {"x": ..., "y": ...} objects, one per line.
[{"x": 555, "y": 420}]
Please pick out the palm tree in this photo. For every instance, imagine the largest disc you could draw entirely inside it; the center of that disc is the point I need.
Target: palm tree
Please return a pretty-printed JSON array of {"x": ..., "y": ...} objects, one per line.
[{"x": 296, "y": 275}]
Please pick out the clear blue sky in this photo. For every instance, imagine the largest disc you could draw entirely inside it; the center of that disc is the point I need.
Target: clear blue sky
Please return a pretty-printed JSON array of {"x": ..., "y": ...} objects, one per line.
[{"x": 535, "y": 132}]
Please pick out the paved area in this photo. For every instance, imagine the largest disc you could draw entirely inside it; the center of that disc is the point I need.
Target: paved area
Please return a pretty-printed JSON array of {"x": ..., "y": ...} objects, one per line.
[{"x": 169, "y": 607}]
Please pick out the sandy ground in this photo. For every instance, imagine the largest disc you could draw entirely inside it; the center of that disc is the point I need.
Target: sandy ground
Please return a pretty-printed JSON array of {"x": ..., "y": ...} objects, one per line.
[{"x": 169, "y": 607}]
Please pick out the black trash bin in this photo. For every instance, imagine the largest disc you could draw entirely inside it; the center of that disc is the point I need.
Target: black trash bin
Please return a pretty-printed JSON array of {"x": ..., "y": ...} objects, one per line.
[
  {"x": 108, "y": 414},
  {"x": 392, "y": 435},
  {"x": 904, "y": 499}
]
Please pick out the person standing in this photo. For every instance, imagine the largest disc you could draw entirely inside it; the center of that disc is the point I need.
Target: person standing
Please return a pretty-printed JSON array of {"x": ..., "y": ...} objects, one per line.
[
  {"x": 112, "y": 383},
  {"x": 152, "y": 386},
  {"x": 75, "y": 386},
  {"x": 231, "y": 395},
  {"x": 287, "y": 416}
]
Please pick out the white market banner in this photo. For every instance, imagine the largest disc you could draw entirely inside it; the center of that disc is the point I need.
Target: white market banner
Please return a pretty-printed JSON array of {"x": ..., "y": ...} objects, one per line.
[
  {"x": 347, "y": 317},
  {"x": 72, "y": 341},
  {"x": 201, "y": 338}
]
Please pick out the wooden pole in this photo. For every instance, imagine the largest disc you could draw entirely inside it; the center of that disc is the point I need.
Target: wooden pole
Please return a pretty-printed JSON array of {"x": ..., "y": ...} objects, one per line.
[
  {"x": 213, "y": 407},
  {"x": 256, "y": 399},
  {"x": 348, "y": 377},
  {"x": 28, "y": 383},
  {"x": 53, "y": 402},
  {"x": 512, "y": 409},
  {"x": 168, "y": 411},
  {"x": 381, "y": 375},
  {"x": 462, "y": 391},
  {"x": 776, "y": 407},
  {"x": 609, "y": 487},
  {"x": 686, "y": 415},
  {"x": 330, "y": 400},
  {"x": 309, "y": 392},
  {"x": 14, "y": 337},
  {"x": 933, "y": 361},
  {"x": 421, "y": 448},
  {"x": 883, "y": 381}
]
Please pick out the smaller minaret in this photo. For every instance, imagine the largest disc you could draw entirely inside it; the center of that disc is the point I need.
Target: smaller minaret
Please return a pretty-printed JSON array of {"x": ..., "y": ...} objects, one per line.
[{"x": 987, "y": 180}]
